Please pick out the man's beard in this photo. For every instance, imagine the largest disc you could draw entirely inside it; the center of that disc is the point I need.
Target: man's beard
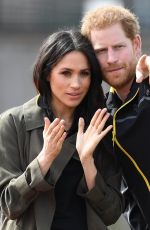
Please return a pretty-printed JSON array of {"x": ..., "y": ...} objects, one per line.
[{"x": 122, "y": 80}]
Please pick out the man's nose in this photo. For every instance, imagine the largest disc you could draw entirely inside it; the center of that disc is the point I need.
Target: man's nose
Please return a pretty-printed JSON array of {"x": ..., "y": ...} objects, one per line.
[{"x": 112, "y": 56}]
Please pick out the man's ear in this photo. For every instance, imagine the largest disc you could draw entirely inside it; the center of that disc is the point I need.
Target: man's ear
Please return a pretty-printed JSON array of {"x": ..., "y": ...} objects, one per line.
[{"x": 137, "y": 44}]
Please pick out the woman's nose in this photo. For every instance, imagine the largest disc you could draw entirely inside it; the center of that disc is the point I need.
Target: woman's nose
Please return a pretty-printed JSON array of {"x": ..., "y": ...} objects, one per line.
[{"x": 75, "y": 82}]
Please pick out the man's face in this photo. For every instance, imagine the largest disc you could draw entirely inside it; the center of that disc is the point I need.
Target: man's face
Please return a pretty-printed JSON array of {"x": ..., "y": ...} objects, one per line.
[{"x": 117, "y": 55}]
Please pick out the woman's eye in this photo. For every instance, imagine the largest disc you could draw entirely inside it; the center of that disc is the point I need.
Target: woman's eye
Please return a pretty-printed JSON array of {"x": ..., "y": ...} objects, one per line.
[
  {"x": 85, "y": 73},
  {"x": 66, "y": 73}
]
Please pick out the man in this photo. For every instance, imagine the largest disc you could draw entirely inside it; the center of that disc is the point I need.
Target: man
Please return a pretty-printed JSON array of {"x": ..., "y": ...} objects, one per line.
[{"x": 115, "y": 34}]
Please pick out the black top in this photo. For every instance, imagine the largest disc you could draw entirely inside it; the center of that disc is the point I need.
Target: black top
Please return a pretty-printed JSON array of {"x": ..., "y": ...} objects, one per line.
[
  {"x": 70, "y": 208},
  {"x": 70, "y": 213}
]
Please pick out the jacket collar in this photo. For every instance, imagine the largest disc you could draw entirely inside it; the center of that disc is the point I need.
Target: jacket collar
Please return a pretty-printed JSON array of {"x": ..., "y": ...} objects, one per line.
[
  {"x": 34, "y": 117},
  {"x": 114, "y": 102},
  {"x": 33, "y": 114}
]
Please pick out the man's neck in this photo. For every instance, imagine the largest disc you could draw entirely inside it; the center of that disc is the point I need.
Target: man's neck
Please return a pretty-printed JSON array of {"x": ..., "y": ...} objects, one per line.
[{"x": 123, "y": 92}]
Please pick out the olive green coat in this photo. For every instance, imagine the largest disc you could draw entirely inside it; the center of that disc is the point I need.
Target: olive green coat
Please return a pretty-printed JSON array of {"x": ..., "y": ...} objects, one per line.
[{"x": 27, "y": 198}]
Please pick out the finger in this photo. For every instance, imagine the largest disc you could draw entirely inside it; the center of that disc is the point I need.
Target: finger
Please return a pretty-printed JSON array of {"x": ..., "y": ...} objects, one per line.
[
  {"x": 81, "y": 125},
  {"x": 147, "y": 61},
  {"x": 59, "y": 133},
  {"x": 105, "y": 131},
  {"x": 46, "y": 123},
  {"x": 95, "y": 116},
  {"x": 61, "y": 139},
  {"x": 52, "y": 126},
  {"x": 148, "y": 67},
  {"x": 142, "y": 60},
  {"x": 141, "y": 69},
  {"x": 62, "y": 122},
  {"x": 57, "y": 130},
  {"x": 103, "y": 122},
  {"x": 100, "y": 117},
  {"x": 139, "y": 76}
]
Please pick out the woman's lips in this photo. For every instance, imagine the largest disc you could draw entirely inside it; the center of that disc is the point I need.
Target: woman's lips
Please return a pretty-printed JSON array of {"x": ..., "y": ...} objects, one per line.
[{"x": 74, "y": 95}]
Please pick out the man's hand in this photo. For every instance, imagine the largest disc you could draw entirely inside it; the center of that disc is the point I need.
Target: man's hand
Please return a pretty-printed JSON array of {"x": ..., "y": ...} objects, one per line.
[{"x": 143, "y": 68}]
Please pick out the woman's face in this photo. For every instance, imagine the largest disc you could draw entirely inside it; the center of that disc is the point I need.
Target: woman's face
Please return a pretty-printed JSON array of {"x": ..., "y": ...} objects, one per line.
[{"x": 70, "y": 80}]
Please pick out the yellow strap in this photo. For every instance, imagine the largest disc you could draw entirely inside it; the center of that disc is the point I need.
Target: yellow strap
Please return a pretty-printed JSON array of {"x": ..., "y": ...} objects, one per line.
[
  {"x": 134, "y": 163},
  {"x": 123, "y": 150}
]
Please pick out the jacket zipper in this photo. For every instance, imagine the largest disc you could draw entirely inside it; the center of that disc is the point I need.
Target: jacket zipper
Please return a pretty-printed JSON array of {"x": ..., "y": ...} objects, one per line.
[{"x": 122, "y": 149}]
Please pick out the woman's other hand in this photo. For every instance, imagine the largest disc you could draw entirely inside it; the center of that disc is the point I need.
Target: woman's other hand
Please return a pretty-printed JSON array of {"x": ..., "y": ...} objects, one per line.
[
  {"x": 54, "y": 135},
  {"x": 88, "y": 140}
]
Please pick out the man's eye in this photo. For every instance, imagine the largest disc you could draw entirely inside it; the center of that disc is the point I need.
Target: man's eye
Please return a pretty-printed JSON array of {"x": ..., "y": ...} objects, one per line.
[
  {"x": 119, "y": 46},
  {"x": 100, "y": 51}
]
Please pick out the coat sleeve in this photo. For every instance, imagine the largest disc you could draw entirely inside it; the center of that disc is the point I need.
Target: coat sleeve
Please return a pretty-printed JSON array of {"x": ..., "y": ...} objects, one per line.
[
  {"x": 18, "y": 187},
  {"x": 105, "y": 198}
]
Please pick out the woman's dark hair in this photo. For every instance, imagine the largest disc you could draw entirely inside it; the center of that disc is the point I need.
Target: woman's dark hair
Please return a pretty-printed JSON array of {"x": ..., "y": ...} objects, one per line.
[{"x": 52, "y": 51}]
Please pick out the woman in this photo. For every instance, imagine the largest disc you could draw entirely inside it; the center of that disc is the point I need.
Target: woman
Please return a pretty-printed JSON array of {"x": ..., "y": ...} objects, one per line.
[{"x": 54, "y": 173}]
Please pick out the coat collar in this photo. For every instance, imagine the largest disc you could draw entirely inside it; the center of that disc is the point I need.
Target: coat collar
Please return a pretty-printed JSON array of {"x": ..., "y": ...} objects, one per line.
[
  {"x": 114, "y": 102},
  {"x": 33, "y": 114}
]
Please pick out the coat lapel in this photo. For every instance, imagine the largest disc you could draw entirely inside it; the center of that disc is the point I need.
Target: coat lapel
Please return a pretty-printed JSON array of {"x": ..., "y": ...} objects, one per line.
[{"x": 67, "y": 151}]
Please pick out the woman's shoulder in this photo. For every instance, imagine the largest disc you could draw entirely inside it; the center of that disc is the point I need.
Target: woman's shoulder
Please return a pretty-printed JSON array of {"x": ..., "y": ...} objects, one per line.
[
  {"x": 29, "y": 112},
  {"x": 14, "y": 111}
]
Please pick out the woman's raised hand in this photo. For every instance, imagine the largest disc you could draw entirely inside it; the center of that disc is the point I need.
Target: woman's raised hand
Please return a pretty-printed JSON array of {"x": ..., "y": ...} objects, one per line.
[
  {"x": 88, "y": 140},
  {"x": 54, "y": 135}
]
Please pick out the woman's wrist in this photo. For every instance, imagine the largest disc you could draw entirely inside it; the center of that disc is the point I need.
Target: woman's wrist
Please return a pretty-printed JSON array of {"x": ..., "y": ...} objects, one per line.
[
  {"x": 44, "y": 163},
  {"x": 90, "y": 171}
]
